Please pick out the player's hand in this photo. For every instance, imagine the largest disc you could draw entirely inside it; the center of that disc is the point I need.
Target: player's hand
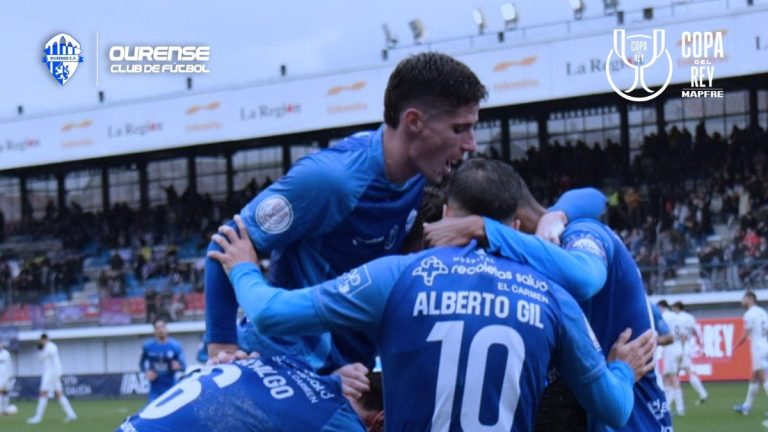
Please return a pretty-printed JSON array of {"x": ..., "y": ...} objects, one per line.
[
  {"x": 551, "y": 226},
  {"x": 175, "y": 365},
  {"x": 151, "y": 375},
  {"x": 354, "y": 381},
  {"x": 454, "y": 231},
  {"x": 214, "y": 349},
  {"x": 224, "y": 357},
  {"x": 638, "y": 354},
  {"x": 236, "y": 244}
]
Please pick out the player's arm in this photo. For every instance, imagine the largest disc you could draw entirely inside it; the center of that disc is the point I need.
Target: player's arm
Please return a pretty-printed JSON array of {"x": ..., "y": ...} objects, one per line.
[
  {"x": 179, "y": 353},
  {"x": 664, "y": 334},
  {"x": 353, "y": 300},
  {"x": 744, "y": 333},
  {"x": 311, "y": 199},
  {"x": 581, "y": 266},
  {"x": 144, "y": 359},
  {"x": 584, "y": 203},
  {"x": 604, "y": 390}
]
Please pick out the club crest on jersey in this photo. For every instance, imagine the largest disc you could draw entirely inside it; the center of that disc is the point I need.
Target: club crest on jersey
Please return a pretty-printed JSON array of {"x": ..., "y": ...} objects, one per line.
[
  {"x": 354, "y": 280},
  {"x": 429, "y": 269},
  {"x": 274, "y": 215},
  {"x": 62, "y": 57}
]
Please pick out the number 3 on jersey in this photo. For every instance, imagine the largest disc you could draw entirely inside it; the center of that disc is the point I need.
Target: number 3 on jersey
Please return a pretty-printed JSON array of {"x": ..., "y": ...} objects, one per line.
[{"x": 450, "y": 334}]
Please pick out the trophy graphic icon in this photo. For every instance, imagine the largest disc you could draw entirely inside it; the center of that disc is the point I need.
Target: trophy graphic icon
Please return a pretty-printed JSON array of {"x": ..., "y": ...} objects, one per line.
[{"x": 638, "y": 61}]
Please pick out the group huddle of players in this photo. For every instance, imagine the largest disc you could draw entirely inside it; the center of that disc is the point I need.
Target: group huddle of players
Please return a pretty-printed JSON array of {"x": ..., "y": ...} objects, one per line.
[{"x": 380, "y": 246}]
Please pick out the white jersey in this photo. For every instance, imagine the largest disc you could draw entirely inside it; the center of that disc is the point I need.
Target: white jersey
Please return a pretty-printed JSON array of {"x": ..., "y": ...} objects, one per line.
[
  {"x": 685, "y": 328},
  {"x": 756, "y": 325},
  {"x": 50, "y": 358}
]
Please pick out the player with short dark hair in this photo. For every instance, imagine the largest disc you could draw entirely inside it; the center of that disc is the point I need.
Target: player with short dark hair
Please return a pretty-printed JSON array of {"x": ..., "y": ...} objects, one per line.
[
  {"x": 162, "y": 358},
  {"x": 596, "y": 268},
  {"x": 50, "y": 381},
  {"x": 756, "y": 329},
  {"x": 354, "y": 202},
  {"x": 266, "y": 394},
  {"x": 466, "y": 338}
]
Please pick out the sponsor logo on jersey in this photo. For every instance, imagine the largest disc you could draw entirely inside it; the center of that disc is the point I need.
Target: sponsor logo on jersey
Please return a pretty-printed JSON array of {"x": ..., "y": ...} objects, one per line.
[
  {"x": 353, "y": 281},
  {"x": 429, "y": 269},
  {"x": 274, "y": 215}
]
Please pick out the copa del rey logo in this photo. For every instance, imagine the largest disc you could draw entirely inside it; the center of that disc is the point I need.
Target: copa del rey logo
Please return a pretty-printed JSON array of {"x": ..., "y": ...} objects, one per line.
[{"x": 62, "y": 56}]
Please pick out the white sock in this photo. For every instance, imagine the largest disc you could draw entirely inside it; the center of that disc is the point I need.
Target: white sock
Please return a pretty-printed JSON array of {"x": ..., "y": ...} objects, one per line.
[
  {"x": 765, "y": 386},
  {"x": 668, "y": 393},
  {"x": 698, "y": 386},
  {"x": 679, "y": 400},
  {"x": 751, "y": 393},
  {"x": 41, "y": 404},
  {"x": 64, "y": 402},
  {"x": 3, "y": 403}
]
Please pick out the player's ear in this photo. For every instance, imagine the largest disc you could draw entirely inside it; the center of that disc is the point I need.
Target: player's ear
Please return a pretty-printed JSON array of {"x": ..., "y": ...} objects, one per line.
[
  {"x": 446, "y": 211},
  {"x": 413, "y": 120},
  {"x": 516, "y": 224}
]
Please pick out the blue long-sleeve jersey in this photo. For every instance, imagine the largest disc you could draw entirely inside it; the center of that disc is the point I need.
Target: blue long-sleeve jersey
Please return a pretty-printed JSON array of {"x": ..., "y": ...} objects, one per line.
[
  {"x": 334, "y": 210},
  {"x": 598, "y": 270},
  {"x": 268, "y": 394},
  {"x": 466, "y": 338},
  {"x": 157, "y": 356}
]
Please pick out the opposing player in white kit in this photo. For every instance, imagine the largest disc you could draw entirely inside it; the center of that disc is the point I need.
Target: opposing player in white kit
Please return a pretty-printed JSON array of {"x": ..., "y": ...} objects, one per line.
[
  {"x": 50, "y": 382},
  {"x": 6, "y": 372},
  {"x": 689, "y": 331},
  {"x": 756, "y": 328}
]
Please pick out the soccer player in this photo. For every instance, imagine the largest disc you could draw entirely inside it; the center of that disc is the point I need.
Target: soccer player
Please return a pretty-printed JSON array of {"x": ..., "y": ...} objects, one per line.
[
  {"x": 465, "y": 338},
  {"x": 756, "y": 328},
  {"x": 6, "y": 372},
  {"x": 686, "y": 331},
  {"x": 161, "y": 359},
  {"x": 672, "y": 355},
  {"x": 266, "y": 394},
  {"x": 597, "y": 269},
  {"x": 346, "y": 205},
  {"x": 50, "y": 382}
]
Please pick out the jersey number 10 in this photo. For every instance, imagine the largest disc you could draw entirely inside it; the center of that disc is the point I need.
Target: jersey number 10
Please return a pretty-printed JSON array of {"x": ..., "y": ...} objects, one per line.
[{"x": 450, "y": 334}]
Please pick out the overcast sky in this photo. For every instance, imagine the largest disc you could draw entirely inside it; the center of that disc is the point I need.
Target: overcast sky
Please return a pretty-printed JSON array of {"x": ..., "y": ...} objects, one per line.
[{"x": 249, "y": 40}]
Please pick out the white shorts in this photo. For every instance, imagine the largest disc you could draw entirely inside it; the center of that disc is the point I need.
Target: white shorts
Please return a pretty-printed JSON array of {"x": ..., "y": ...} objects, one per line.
[
  {"x": 759, "y": 358},
  {"x": 50, "y": 383},
  {"x": 672, "y": 358}
]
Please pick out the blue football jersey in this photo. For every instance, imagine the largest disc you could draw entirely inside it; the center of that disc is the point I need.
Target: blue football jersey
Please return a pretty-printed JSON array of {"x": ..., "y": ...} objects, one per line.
[
  {"x": 334, "y": 210},
  {"x": 480, "y": 332},
  {"x": 157, "y": 356},
  {"x": 621, "y": 303},
  {"x": 465, "y": 338},
  {"x": 268, "y": 394}
]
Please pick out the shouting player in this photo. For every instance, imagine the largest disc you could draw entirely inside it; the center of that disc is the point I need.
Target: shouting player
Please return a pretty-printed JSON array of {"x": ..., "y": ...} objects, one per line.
[{"x": 162, "y": 358}]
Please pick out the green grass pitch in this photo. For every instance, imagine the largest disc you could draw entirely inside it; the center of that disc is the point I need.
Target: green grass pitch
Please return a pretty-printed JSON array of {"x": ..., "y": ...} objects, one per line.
[{"x": 105, "y": 415}]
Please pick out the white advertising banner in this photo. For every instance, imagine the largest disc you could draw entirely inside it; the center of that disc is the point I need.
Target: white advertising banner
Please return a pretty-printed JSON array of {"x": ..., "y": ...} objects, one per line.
[{"x": 716, "y": 48}]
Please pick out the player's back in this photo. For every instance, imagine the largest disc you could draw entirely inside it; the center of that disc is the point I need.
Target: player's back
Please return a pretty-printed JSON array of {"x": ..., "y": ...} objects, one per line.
[
  {"x": 269, "y": 394},
  {"x": 466, "y": 342},
  {"x": 621, "y": 303}
]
